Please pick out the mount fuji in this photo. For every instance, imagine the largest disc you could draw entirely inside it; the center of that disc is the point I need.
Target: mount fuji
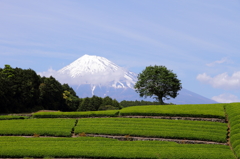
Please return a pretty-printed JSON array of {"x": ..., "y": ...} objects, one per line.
[
  {"x": 95, "y": 75},
  {"x": 98, "y": 72}
]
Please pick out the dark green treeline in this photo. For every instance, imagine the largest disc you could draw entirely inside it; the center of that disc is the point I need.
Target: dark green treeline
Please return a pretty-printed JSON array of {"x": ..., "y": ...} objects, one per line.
[{"x": 22, "y": 90}]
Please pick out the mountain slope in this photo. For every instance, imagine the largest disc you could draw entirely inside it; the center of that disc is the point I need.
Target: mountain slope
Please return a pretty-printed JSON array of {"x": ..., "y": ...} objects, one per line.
[
  {"x": 94, "y": 75},
  {"x": 98, "y": 71}
]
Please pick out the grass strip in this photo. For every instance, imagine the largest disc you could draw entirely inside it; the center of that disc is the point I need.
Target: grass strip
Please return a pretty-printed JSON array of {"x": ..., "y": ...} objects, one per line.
[
  {"x": 91, "y": 147},
  {"x": 108, "y": 113},
  {"x": 163, "y": 128},
  {"x": 48, "y": 127},
  {"x": 190, "y": 110}
]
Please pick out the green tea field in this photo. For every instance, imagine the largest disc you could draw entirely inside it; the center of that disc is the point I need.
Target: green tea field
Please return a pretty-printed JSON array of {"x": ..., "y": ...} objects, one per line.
[{"x": 207, "y": 131}]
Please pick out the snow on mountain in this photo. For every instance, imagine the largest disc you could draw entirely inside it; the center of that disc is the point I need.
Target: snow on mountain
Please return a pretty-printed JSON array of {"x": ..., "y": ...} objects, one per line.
[
  {"x": 89, "y": 64},
  {"x": 98, "y": 71}
]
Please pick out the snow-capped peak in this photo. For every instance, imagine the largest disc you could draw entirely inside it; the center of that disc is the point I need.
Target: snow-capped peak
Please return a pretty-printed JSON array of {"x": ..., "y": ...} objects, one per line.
[
  {"x": 89, "y": 64},
  {"x": 96, "y": 70}
]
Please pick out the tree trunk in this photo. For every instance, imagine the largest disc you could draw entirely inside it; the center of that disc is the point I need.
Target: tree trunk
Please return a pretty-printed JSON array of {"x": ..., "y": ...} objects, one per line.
[{"x": 160, "y": 100}]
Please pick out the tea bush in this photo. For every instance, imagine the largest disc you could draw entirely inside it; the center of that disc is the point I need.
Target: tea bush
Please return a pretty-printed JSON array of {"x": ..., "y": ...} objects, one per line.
[
  {"x": 233, "y": 113},
  {"x": 190, "y": 110},
  {"x": 93, "y": 147},
  {"x": 48, "y": 127},
  {"x": 107, "y": 113},
  {"x": 180, "y": 129},
  {"x": 10, "y": 117}
]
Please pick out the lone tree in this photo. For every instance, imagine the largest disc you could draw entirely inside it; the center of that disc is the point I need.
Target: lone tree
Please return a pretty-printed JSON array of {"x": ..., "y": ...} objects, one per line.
[{"x": 158, "y": 81}]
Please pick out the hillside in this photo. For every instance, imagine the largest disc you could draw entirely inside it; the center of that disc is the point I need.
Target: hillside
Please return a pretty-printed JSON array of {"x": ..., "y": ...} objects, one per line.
[{"x": 174, "y": 131}]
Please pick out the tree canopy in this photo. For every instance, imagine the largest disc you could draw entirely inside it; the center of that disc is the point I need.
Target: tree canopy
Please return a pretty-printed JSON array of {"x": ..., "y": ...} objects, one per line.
[
  {"x": 19, "y": 89},
  {"x": 22, "y": 90},
  {"x": 97, "y": 103},
  {"x": 159, "y": 82}
]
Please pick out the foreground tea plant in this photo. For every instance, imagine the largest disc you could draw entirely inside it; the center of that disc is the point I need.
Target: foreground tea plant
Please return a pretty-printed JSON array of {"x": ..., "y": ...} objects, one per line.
[
  {"x": 43, "y": 127},
  {"x": 94, "y": 147}
]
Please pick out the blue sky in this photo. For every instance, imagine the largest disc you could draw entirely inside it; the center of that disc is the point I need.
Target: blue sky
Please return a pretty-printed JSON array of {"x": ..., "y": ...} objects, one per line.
[{"x": 198, "y": 40}]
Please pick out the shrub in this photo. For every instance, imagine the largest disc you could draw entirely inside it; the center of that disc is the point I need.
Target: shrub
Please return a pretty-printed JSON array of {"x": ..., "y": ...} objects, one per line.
[{"x": 107, "y": 107}]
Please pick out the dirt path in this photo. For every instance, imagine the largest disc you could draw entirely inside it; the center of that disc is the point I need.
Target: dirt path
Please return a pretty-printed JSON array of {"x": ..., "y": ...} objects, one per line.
[
  {"x": 134, "y": 138},
  {"x": 178, "y": 118},
  {"x": 166, "y": 117}
]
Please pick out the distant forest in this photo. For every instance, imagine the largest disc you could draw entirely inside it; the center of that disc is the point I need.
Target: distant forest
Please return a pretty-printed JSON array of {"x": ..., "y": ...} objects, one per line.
[{"x": 22, "y": 90}]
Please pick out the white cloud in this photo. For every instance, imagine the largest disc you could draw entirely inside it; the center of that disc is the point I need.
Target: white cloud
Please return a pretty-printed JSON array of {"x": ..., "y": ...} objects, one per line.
[
  {"x": 65, "y": 78},
  {"x": 223, "y": 81},
  {"x": 101, "y": 78},
  {"x": 223, "y": 60},
  {"x": 226, "y": 98}
]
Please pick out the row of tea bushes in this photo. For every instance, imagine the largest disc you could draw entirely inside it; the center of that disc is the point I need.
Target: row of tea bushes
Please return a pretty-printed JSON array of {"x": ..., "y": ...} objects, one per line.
[
  {"x": 233, "y": 112},
  {"x": 10, "y": 117},
  {"x": 145, "y": 127},
  {"x": 196, "y": 110},
  {"x": 163, "y": 128},
  {"x": 93, "y": 147},
  {"x": 109, "y": 113},
  {"x": 43, "y": 127}
]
